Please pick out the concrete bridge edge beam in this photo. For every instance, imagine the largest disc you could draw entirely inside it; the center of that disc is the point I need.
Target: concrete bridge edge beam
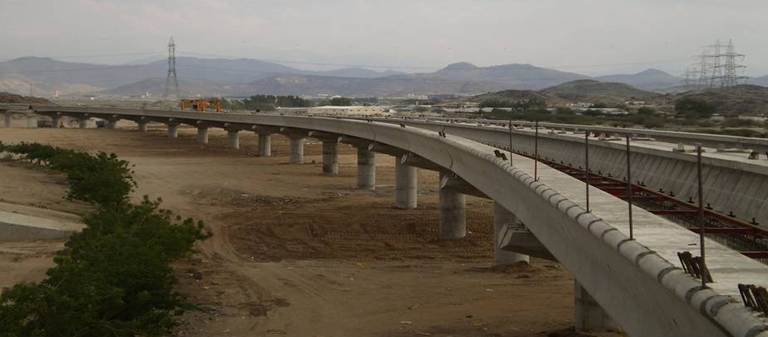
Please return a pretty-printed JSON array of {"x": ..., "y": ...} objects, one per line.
[
  {"x": 296, "y": 155},
  {"x": 331, "y": 157},
  {"x": 406, "y": 182},
  {"x": 366, "y": 169},
  {"x": 265, "y": 145},
  {"x": 501, "y": 219},
  {"x": 453, "y": 212}
]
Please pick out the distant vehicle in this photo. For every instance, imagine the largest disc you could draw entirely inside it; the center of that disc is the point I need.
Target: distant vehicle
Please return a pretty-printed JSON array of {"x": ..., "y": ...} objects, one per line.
[{"x": 101, "y": 124}]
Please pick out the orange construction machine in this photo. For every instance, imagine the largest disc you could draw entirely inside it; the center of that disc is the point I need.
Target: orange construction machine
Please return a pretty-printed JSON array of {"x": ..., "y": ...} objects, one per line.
[{"x": 200, "y": 104}]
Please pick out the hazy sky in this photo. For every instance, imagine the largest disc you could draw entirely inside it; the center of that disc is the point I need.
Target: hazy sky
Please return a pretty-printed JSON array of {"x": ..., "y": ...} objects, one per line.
[{"x": 586, "y": 36}]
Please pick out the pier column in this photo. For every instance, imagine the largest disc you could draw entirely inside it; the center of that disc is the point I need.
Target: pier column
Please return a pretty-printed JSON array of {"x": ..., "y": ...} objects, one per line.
[
  {"x": 142, "y": 126},
  {"x": 7, "y": 118},
  {"x": 233, "y": 139},
  {"x": 265, "y": 145},
  {"x": 406, "y": 179},
  {"x": 330, "y": 157},
  {"x": 173, "y": 130},
  {"x": 588, "y": 313},
  {"x": 112, "y": 123},
  {"x": 502, "y": 218},
  {"x": 297, "y": 150},
  {"x": 56, "y": 122},
  {"x": 31, "y": 121},
  {"x": 202, "y": 135},
  {"x": 366, "y": 169},
  {"x": 83, "y": 123},
  {"x": 453, "y": 212}
]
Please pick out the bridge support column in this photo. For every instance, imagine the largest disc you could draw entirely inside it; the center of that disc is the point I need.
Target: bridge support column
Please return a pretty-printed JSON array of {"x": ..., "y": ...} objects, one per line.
[
  {"x": 142, "y": 126},
  {"x": 588, "y": 313},
  {"x": 82, "y": 123},
  {"x": 406, "y": 179},
  {"x": 111, "y": 123},
  {"x": 31, "y": 121},
  {"x": 7, "y": 119},
  {"x": 331, "y": 157},
  {"x": 453, "y": 212},
  {"x": 202, "y": 135},
  {"x": 366, "y": 169},
  {"x": 297, "y": 151},
  {"x": 502, "y": 218},
  {"x": 233, "y": 139},
  {"x": 173, "y": 130},
  {"x": 56, "y": 122},
  {"x": 265, "y": 145}
]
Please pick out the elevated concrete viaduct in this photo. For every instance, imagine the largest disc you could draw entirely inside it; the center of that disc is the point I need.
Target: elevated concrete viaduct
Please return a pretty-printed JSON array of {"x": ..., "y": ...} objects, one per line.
[
  {"x": 733, "y": 184},
  {"x": 634, "y": 282}
]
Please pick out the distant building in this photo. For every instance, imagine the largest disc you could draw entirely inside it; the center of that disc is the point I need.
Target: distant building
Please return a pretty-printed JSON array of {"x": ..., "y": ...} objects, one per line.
[{"x": 580, "y": 105}]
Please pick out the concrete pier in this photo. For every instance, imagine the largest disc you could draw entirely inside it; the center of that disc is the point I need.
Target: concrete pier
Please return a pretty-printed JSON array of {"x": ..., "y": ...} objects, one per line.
[
  {"x": 297, "y": 151},
  {"x": 265, "y": 145},
  {"x": 331, "y": 157},
  {"x": 142, "y": 126},
  {"x": 366, "y": 169},
  {"x": 56, "y": 122},
  {"x": 32, "y": 121},
  {"x": 83, "y": 123},
  {"x": 112, "y": 124},
  {"x": 173, "y": 130},
  {"x": 453, "y": 212},
  {"x": 7, "y": 118},
  {"x": 406, "y": 179},
  {"x": 233, "y": 139},
  {"x": 202, "y": 135},
  {"x": 502, "y": 218},
  {"x": 588, "y": 313}
]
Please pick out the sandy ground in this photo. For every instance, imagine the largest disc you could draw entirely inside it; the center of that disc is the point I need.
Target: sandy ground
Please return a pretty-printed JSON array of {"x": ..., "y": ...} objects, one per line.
[{"x": 297, "y": 253}]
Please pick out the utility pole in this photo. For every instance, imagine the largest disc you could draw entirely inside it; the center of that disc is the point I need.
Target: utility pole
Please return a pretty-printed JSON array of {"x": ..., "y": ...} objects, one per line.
[{"x": 171, "y": 79}]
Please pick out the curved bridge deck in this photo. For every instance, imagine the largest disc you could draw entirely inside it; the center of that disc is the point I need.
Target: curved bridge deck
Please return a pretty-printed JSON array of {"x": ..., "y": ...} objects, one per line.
[{"x": 636, "y": 281}]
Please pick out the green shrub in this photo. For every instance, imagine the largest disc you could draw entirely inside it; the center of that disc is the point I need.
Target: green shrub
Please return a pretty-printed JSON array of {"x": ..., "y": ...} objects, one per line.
[{"x": 114, "y": 278}]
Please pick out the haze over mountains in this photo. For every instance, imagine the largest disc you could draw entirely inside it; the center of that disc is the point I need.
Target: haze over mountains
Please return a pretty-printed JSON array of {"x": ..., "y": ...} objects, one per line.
[{"x": 244, "y": 77}]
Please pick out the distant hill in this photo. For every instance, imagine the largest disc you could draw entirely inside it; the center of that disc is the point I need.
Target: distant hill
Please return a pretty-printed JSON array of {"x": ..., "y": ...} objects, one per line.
[
  {"x": 392, "y": 86},
  {"x": 520, "y": 96},
  {"x": 6, "y": 97},
  {"x": 762, "y": 81},
  {"x": 739, "y": 100},
  {"x": 591, "y": 90},
  {"x": 358, "y": 73},
  {"x": 651, "y": 79},
  {"x": 516, "y": 76},
  {"x": 45, "y": 76},
  {"x": 187, "y": 87},
  {"x": 459, "y": 78}
]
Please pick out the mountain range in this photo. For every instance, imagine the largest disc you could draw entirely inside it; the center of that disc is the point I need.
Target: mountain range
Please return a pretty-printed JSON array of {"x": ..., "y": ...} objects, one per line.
[{"x": 245, "y": 77}]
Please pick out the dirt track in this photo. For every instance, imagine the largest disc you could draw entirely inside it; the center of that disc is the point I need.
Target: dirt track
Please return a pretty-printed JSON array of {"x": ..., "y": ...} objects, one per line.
[{"x": 297, "y": 253}]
